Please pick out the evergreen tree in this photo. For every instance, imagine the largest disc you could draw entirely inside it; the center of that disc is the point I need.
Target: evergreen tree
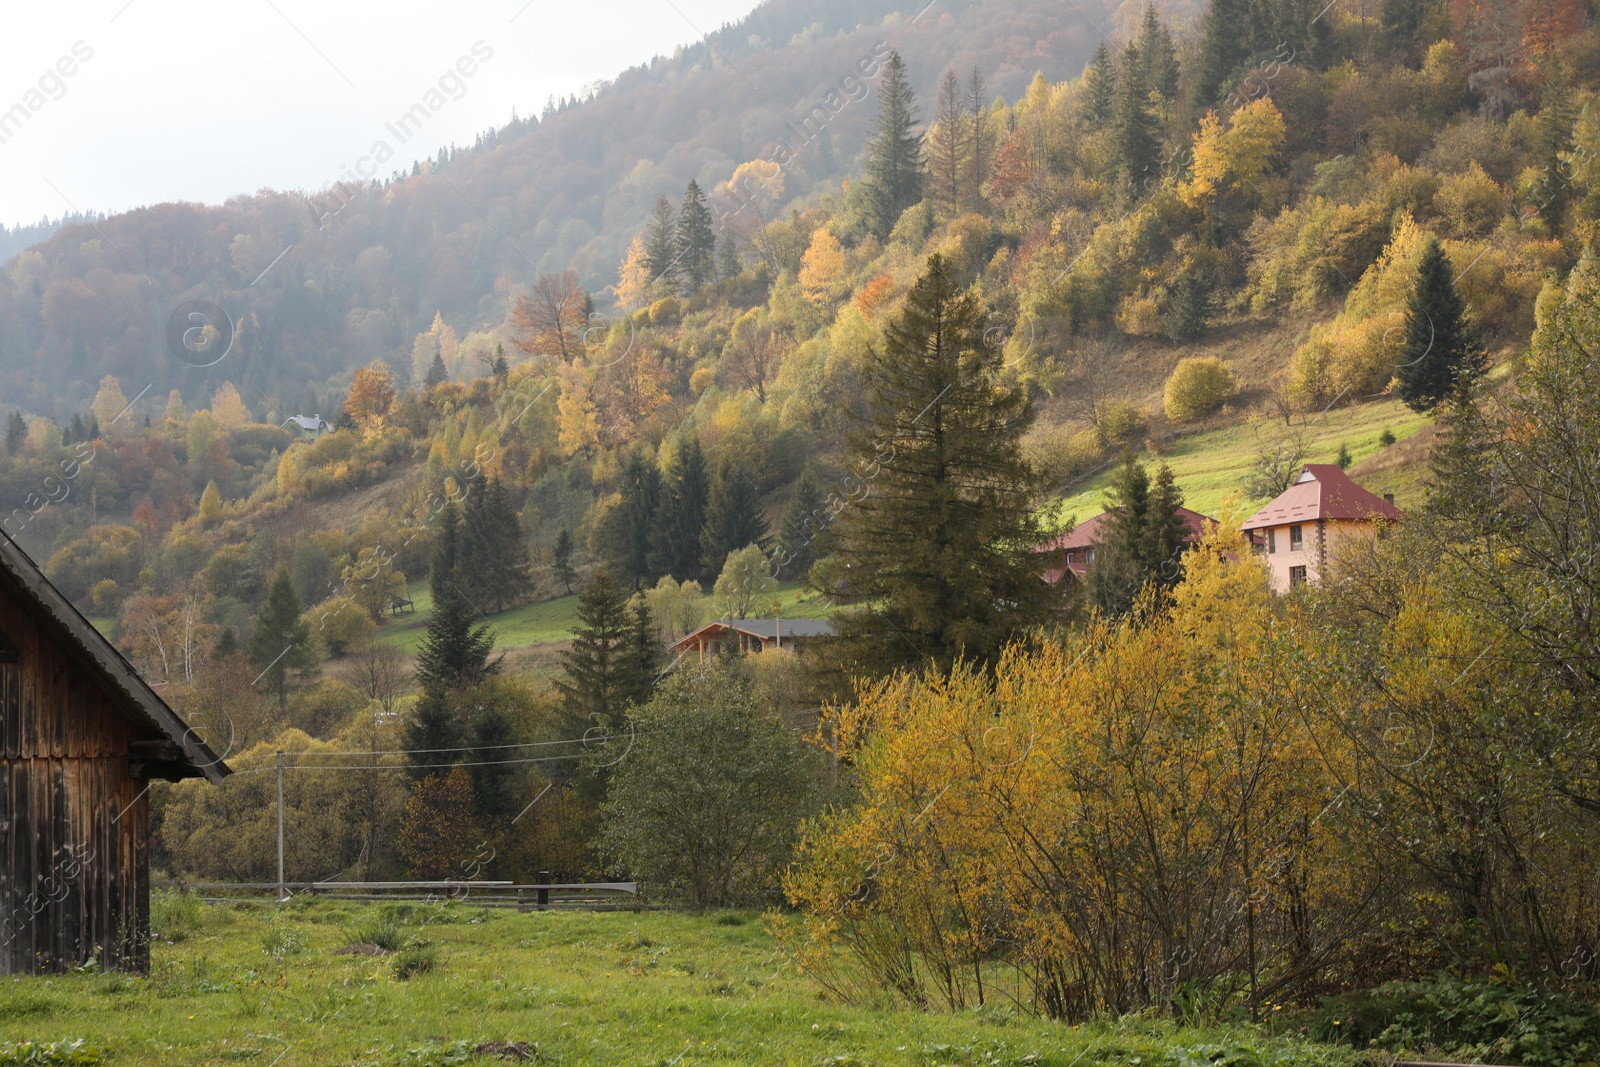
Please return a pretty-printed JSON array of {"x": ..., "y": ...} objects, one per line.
[
  {"x": 733, "y": 518},
  {"x": 16, "y": 432},
  {"x": 938, "y": 557},
  {"x": 1102, "y": 85},
  {"x": 675, "y": 545},
  {"x": 661, "y": 247},
  {"x": 1552, "y": 138},
  {"x": 1158, "y": 56},
  {"x": 500, "y": 368},
  {"x": 281, "y": 641},
  {"x": 454, "y": 653},
  {"x": 1188, "y": 306},
  {"x": 93, "y": 428},
  {"x": 977, "y": 95},
  {"x": 948, "y": 148},
  {"x": 1441, "y": 350},
  {"x": 728, "y": 266},
  {"x": 431, "y": 733},
  {"x": 696, "y": 241},
  {"x": 561, "y": 560},
  {"x": 603, "y": 672},
  {"x": 629, "y": 527},
  {"x": 803, "y": 522},
  {"x": 494, "y": 555},
  {"x": 1143, "y": 539},
  {"x": 75, "y": 431},
  {"x": 437, "y": 374},
  {"x": 1402, "y": 22},
  {"x": 1225, "y": 43},
  {"x": 1136, "y": 131},
  {"x": 894, "y": 171},
  {"x": 494, "y": 779},
  {"x": 227, "y": 643}
]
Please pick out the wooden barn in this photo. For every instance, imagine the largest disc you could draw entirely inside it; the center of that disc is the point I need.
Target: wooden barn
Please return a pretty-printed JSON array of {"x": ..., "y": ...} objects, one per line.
[{"x": 81, "y": 738}]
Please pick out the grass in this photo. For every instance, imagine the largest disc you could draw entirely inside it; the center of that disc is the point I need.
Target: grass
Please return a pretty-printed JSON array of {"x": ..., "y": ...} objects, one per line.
[
  {"x": 573, "y": 988},
  {"x": 553, "y": 621},
  {"x": 1209, "y": 465}
]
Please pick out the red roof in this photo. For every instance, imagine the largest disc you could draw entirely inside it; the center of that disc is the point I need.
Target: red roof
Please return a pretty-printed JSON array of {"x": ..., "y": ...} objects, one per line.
[
  {"x": 1322, "y": 491},
  {"x": 1091, "y": 531}
]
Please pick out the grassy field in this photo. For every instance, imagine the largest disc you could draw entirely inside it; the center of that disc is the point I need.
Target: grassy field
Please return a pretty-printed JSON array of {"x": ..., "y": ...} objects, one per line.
[
  {"x": 572, "y": 988},
  {"x": 1210, "y": 464},
  {"x": 552, "y": 621}
]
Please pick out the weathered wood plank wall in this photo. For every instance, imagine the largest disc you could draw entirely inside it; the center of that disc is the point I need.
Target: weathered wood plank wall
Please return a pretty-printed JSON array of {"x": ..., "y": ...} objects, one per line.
[{"x": 74, "y": 880}]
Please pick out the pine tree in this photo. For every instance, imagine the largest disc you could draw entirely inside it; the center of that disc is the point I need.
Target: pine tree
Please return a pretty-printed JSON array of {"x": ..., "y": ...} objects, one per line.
[
  {"x": 437, "y": 374},
  {"x": 629, "y": 525},
  {"x": 561, "y": 560},
  {"x": 728, "y": 265},
  {"x": 1136, "y": 132},
  {"x": 977, "y": 93},
  {"x": 281, "y": 641},
  {"x": 494, "y": 556},
  {"x": 733, "y": 518},
  {"x": 1402, "y": 21},
  {"x": 432, "y": 731},
  {"x": 494, "y": 779},
  {"x": 1441, "y": 350},
  {"x": 499, "y": 367},
  {"x": 894, "y": 171},
  {"x": 1225, "y": 43},
  {"x": 601, "y": 672},
  {"x": 803, "y": 522},
  {"x": 16, "y": 432},
  {"x": 938, "y": 556},
  {"x": 947, "y": 149},
  {"x": 1143, "y": 539},
  {"x": 1101, "y": 79},
  {"x": 696, "y": 241},
  {"x": 661, "y": 247},
  {"x": 1552, "y": 138},
  {"x": 454, "y": 654},
  {"x": 1158, "y": 56},
  {"x": 1188, "y": 306},
  {"x": 675, "y": 546}
]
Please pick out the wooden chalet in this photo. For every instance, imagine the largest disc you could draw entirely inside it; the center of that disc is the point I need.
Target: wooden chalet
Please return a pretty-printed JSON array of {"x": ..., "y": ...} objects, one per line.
[
  {"x": 750, "y": 635},
  {"x": 81, "y": 738}
]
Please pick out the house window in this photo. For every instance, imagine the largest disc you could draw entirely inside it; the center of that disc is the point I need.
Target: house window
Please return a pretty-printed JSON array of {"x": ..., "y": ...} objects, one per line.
[
  {"x": 1272, "y": 539},
  {"x": 1296, "y": 542},
  {"x": 1297, "y": 575}
]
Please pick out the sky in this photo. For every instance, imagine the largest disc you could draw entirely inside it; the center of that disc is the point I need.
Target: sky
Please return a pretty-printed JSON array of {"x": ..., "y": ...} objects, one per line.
[{"x": 109, "y": 104}]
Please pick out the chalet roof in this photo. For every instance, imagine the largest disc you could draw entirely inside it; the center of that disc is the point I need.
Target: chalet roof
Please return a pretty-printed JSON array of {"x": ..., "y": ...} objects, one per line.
[
  {"x": 109, "y": 667},
  {"x": 766, "y": 629},
  {"x": 1323, "y": 491}
]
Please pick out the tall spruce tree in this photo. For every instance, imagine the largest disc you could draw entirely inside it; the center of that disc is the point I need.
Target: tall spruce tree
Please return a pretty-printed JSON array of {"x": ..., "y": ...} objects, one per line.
[
  {"x": 675, "y": 546},
  {"x": 1158, "y": 56},
  {"x": 894, "y": 169},
  {"x": 432, "y": 735},
  {"x": 1101, "y": 79},
  {"x": 803, "y": 522},
  {"x": 493, "y": 553},
  {"x": 1225, "y": 43},
  {"x": 495, "y": 780},
  {"x": 733, "y": 518},
  {"x": 281, "y": 641},
  {"x": 938, "y": 558},
  {"x": 604, "y": 672},
  {"x": 696, "y": 241},
  {"x": 454, "y": 653},
  {"x": 437, "y": 374},
  {"x": 1552, "y": 139},
  {"x": 661, "y": 246},
  {"x": 1136, "y": 130},
  {"x": 948, "y": 144},
  {"x": 1143, "y": 539},
  {"x": 1441, "y": 350},
  {"x": 16, "y": 432},
  {"x": 629, "y": 527}
]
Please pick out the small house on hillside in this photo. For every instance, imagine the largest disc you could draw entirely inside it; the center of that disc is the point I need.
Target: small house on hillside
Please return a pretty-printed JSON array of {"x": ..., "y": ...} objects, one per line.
[
  {"x": 1071, "y": 555},
  {"x": 311, "y": 424},
  {"x": 81, "y": 738},
  {"x": 1297, "y": 530},
  {"x": 751, "y": 635}
]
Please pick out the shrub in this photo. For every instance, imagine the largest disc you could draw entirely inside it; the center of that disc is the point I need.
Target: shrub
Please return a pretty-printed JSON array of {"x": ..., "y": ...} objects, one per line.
[
  {"x": 281, "y": 939},
  {"x": 1484, "y": 1020},
  {"x": 1120, "y": 422},
  {"x": 1197, "y": 387},
  {"x": 174, "y": 916},
  {"x": 416, "y": 958},
  {"x": 1386, "y": 438},
  {"x": 1139, "y": 315},
  {"x": 1345, "y": 459},
  {"x": 665, "y": 312},
  {"x": 377, "y": 928}
]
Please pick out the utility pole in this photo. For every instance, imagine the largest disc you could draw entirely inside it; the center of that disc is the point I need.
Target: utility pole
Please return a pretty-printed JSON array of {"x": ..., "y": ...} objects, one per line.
[{"x": 281, "y": 895}]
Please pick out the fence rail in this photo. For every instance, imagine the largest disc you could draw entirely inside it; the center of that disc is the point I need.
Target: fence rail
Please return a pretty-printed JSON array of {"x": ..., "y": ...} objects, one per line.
[{"x": 531, "y": 896}]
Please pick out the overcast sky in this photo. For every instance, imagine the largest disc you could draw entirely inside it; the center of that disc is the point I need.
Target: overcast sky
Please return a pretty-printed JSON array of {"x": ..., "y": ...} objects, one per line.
[{"x": 184, "y": 100}]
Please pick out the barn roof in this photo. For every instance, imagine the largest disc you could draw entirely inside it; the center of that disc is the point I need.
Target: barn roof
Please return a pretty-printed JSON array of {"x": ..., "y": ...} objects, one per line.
[
  {"x": 1323, "y": 491},
  {"x": 1090, "y": 531},
  {"x": 766, "y": 629},
  {"x": 110, "y": 668}
]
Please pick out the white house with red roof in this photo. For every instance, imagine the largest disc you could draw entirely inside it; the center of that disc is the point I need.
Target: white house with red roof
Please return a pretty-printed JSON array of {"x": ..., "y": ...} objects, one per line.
[
  {"x": 1072, "y": 553},
  {"x": 1295, "y": 533}
]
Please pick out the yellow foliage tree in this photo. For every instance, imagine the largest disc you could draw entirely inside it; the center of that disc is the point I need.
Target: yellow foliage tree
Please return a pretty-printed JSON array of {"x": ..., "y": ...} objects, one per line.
[
  {"x": 578, "y": 428},
  {"x": 633, "y": 277},
  {"x": 1235, "y": 156},
  {"x": 822, "y": 266},
  {"x": 210, "y": 505},
  {"x": 108, "y": 405},
  {"x": 228, "y": 408}
]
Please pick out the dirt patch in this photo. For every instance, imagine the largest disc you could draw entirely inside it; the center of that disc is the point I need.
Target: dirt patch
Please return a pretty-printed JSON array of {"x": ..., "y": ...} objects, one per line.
[
  {"x": 361, "y": 948},
  {"x": 507, "y": 1050}
]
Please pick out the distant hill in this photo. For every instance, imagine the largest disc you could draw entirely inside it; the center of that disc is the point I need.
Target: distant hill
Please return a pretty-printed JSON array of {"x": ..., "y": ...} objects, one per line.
[{"x": 365, "y": 268}]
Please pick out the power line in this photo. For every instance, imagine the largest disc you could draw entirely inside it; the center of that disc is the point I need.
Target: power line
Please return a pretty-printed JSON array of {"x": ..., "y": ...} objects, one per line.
[
  {"x": 595, "y": 739},
  {"x": 411, "y": 766}
]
